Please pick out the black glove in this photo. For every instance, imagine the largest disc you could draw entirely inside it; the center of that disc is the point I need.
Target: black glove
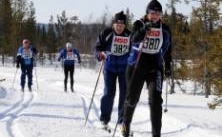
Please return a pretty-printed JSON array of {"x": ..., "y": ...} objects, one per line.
[
  {"x": 17, "y": 65},
  {"x": 79, "y": 61},
  {"x": 168, "y": 73},
  {"x": 147, "y": 26},
  {"x": 59, "y": 59}
]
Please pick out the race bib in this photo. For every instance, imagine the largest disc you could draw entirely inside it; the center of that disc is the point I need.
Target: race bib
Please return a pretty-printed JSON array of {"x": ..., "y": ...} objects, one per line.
[
  {"x": 120, "y": 45},
  {"x": 153, "y": 41},
  {"x": 27, "y": 54},
  {"x": 70, "y": 56}
]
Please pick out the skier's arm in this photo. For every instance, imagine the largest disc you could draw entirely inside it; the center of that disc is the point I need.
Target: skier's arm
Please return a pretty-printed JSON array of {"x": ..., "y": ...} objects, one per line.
[
  {"x": 167, "y": 53},
  {"x": 138, "y": 32},
  {"x": 34, "y": 50},
  {"x": 61, "y": 54},
  {"x": 19, "y": 57},
  {"x": 100, "y": 46},
  {"x": 78, "y": 55}
]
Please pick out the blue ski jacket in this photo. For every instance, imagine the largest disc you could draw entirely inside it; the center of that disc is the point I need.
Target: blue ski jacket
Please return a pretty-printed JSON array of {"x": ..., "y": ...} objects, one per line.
[
  {"x": 25, "y": 57},
  {"x": 116, "y": 54},
  {"x": 69, "y": 57}
]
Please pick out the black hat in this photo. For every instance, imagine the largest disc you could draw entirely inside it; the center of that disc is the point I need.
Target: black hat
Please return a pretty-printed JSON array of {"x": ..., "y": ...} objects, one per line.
[
  {"x": 154, "y": 5},
  {"x": 120, "y": 17}
]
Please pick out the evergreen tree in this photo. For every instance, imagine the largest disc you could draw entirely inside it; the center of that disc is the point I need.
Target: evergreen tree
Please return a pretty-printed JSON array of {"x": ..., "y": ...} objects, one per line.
[
  {"x": 29, "y": 24},
  {"x": 6, "y": 27}
]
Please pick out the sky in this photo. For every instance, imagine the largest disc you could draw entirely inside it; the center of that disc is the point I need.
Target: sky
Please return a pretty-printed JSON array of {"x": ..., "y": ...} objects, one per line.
[{"x": 92, "y": 10}]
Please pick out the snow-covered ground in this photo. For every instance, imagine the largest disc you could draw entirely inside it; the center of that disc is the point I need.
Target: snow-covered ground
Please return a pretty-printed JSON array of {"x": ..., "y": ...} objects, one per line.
[{"x": 50, "y": 112}]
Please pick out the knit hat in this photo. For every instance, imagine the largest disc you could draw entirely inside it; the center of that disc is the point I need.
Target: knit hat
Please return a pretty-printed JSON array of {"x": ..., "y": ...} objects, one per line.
[
  {"x": 154, "y": 5},
  {"x": 68, "y": 45},
  {"x": 120, "y": 17}
]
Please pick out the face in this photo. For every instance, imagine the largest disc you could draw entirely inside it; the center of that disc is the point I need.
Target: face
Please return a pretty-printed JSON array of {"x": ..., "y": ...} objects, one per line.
[
  {"x": 26, "y": 44},
  {"x": 119, "y": 28},
  {"x": 154, "y": 15}
]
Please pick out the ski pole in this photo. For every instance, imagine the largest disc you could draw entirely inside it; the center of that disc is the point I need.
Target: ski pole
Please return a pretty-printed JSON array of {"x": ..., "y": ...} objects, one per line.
[
  {"x": 14, "y": 77},
  {"x": 114, "y": 132},
  {"x": 133, "y": 74},
  {"x": 166, "y": 93},
  {"x": 36, "y": 78},
  {"x": 94, "y": 91}
]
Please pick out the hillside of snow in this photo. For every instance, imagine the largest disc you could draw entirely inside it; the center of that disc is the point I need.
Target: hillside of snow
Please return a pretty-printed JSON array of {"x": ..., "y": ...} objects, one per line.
[{"x": 50, "y": 112}]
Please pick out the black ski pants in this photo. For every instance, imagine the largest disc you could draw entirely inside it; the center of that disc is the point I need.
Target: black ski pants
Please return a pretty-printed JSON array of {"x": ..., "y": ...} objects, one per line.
[
  {"x": 135, "y": 79},
  {"x": 69, "y": 70}
]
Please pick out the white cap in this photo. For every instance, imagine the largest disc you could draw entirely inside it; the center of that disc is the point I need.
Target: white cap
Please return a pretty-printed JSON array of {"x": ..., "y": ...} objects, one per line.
[{"x": 68, "y": 45}]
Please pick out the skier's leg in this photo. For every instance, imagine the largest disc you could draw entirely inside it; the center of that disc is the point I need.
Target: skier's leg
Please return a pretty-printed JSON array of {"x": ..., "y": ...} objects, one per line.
[
  {"x": 66, "y": 77},
  {"x": 72, "y": 70},
  {"x": 29, "y": 73},
  {"x": 23, "y": 76},
  {"x": 134, "y": 87},
  {"x": 108, "y": 96},
  {"x": 155, "y": 102},
  {"x": 122, "y": 95}
]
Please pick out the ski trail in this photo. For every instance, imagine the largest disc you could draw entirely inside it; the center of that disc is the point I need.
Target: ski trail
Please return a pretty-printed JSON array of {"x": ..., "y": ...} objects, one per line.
[
  {"x": 11, "y": 117},
  {"x": 85, "y": 103},
  {"x": 13, "y": 107}
]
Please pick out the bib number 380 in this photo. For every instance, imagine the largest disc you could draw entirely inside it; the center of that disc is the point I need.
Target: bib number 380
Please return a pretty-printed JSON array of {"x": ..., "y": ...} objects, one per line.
[{"x": 152, "y": 44}]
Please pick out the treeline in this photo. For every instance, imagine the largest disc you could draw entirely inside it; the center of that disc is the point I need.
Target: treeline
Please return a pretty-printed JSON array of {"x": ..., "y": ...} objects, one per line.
[
  {"x": 197, "y": 45},
  {"x": 197, "y": 37}
]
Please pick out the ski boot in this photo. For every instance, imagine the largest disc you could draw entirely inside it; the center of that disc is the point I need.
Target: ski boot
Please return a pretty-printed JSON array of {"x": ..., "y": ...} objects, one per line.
[
  {"x": 105, "y": 126},
  {"x": 72, "y": 89},
  {"x": 65, "y": 88},
  {"x": 30, "y": 89},
  {"x": 126, "y": 131},
  {"x": 22, "y": 89}
]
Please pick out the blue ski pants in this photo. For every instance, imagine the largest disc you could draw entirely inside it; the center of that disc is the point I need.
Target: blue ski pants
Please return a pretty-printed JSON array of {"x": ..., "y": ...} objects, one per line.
[
  {"x": 26, "y": 70},
  {"x": 110, "y": 80}
]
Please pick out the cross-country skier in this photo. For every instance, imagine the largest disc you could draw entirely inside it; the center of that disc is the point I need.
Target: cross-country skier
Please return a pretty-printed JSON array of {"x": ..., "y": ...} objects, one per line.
[
  {"x": 112, "y": 47},
  {"x": 69, "y": 56},
  {"x": 25, "y": 58},
  {"x": 149, "y": 60}
]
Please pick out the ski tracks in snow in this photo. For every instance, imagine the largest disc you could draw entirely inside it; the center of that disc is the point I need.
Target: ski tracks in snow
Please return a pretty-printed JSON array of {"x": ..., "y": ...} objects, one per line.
[{"x": 13, "y": 113}]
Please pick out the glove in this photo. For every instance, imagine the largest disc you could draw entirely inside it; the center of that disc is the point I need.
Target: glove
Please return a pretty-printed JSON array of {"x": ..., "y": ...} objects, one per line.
[
  {"x": 79, "y": 62},
  {"x": 102, "y": 56},
  {"x": 59, "y": 59},
  {"x": 17, "y": 65},
  {"x": 168, "y": 73},
  {"x": 149, "y": 25}
]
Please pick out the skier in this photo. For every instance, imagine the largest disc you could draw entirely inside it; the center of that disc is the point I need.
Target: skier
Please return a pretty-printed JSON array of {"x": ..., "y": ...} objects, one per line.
[
  {"x": 25, "y": 57},
  {"x": 69, "y": 55},
  {"x": 149, "y": 60},
  {"x": 112, "y": 47}
]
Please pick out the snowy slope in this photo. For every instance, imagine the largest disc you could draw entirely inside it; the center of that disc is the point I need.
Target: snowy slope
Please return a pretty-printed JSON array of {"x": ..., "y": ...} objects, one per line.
[{"x": 49, "y": 112}]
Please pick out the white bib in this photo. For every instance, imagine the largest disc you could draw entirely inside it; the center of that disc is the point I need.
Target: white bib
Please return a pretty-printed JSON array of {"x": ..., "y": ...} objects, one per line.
[
  {"x": 120, "y": 45},
  {"x": 27, "y": 53},
  {"x": 153, "y": 41},
  {"x": 70, "y": 56}
]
